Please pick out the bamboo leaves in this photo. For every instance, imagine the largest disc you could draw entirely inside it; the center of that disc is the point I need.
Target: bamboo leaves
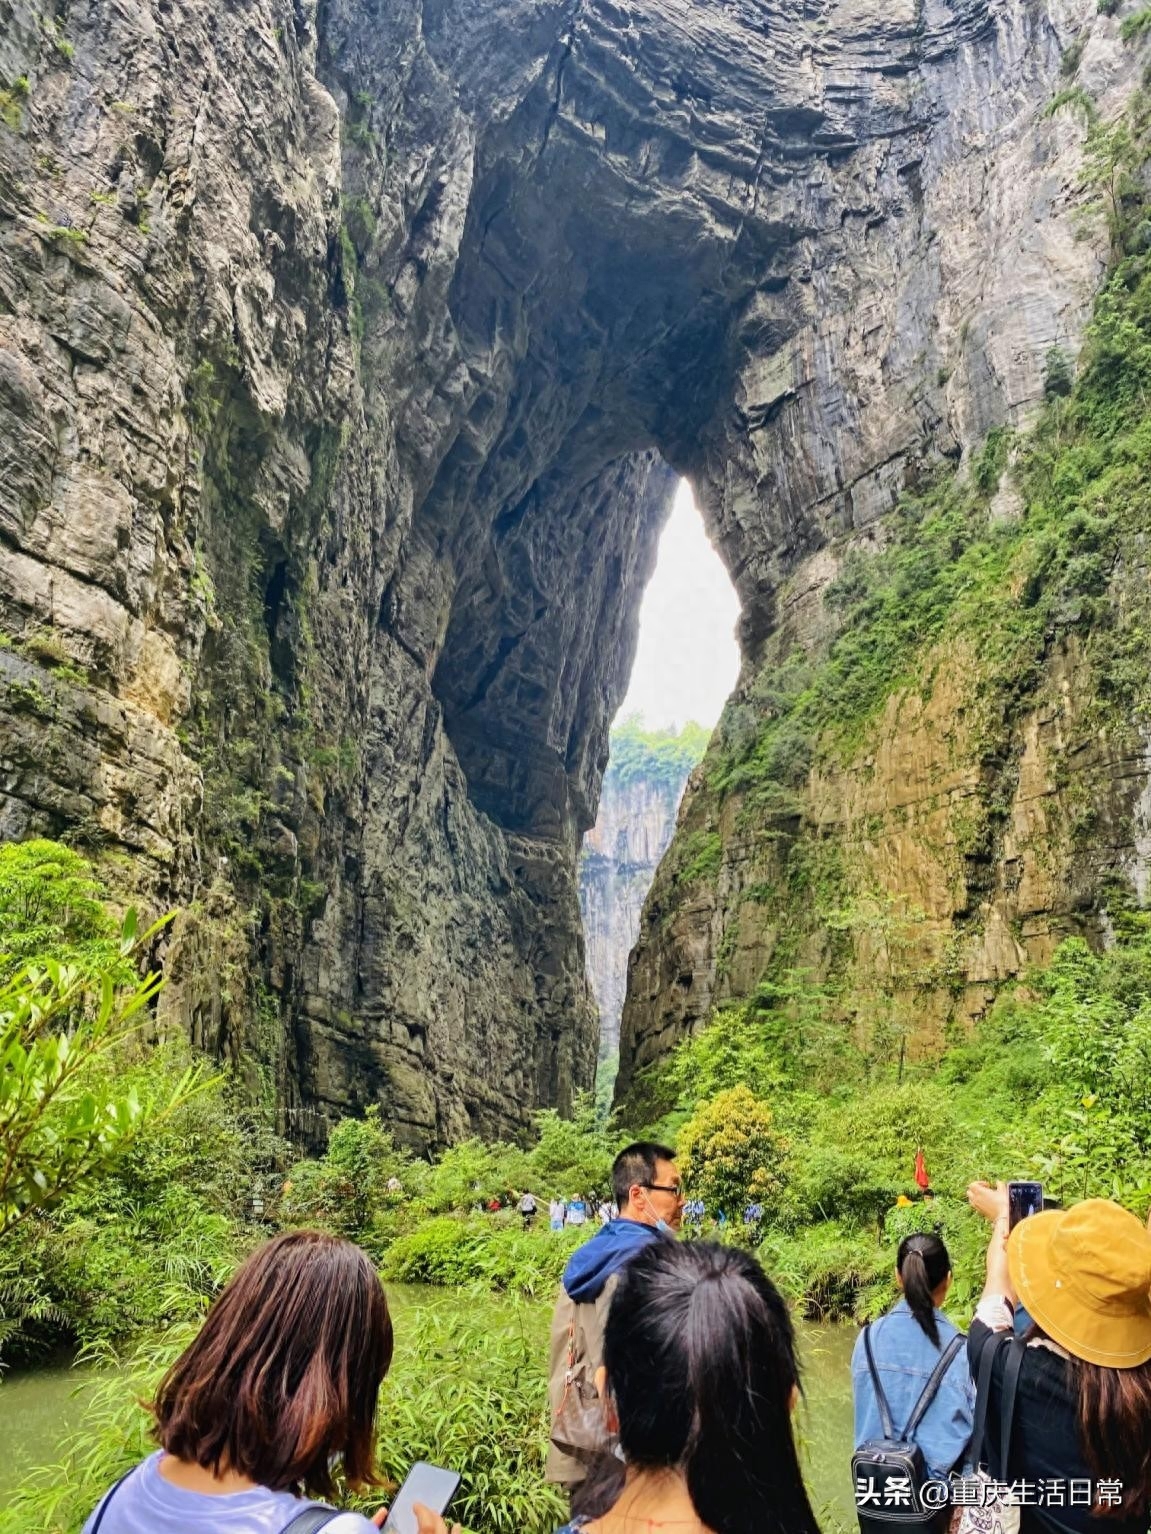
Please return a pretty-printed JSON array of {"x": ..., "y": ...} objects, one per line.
[{"x": 63, "y": 1120}]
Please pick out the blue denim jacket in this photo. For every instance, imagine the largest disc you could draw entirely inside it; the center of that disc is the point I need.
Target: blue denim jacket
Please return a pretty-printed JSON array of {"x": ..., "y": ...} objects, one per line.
[{"x": 905, "y": 1357}]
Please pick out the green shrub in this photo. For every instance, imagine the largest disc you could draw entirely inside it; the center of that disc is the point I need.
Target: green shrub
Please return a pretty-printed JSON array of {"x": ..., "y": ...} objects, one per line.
[
  {"x": 52, "y": 906},
  {"x": 830, "y": 1269},
  {"x": 1059, "y": 376},
  {"x": 153, "y": 1238},
  {"x": 473, "y": 1395},
  {"x": 478, "y": 1251},
  {"x": 346, "y": 1191},
  {"x": 730, "y": 1152}
]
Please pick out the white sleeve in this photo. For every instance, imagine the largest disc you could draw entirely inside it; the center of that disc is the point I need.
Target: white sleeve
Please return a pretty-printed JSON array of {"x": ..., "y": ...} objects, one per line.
[
  {"x": 350, "y": 1523},
  {"x": 995, "y": 1311}
]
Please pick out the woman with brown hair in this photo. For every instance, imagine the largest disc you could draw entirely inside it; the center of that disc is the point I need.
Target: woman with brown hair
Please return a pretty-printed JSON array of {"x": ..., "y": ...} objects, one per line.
[
  {"x": 1074, "y": 1394},
  {"x": 278, "y": 1388}
]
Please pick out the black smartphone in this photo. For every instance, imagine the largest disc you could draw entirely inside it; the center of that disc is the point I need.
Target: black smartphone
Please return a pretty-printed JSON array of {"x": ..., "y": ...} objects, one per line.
[
  {"x": 1023, "y": 1199},
  {"x": 427, "y": 1484}
]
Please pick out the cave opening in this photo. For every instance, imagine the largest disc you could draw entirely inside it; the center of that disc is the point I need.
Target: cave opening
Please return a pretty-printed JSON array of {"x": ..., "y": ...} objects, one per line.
[
  {"x": 687, "y": 656},
  {"x": 686, "y": 665}
]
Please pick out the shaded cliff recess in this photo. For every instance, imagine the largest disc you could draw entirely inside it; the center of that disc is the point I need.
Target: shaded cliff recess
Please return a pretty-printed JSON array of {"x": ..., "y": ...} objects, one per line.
[{"x": 348, "y": 355}]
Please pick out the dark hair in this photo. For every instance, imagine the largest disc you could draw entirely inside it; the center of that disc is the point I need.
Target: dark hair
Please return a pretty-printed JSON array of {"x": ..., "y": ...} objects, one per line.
[
  {"x": 285, "y": 1372},
  {"x": 922, "y": 1263},
  {"x": 636, "y": 1164},
  {"x": 700, "y": 1357},
  {"x": 1114, "y": 1409}
]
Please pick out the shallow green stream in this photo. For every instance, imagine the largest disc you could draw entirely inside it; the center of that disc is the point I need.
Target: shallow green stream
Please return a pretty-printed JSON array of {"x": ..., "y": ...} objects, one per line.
[{"x": 40, "y": 1407}]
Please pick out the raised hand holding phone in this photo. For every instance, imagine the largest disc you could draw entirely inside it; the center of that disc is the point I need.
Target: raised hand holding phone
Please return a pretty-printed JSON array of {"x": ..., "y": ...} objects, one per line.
[
  {"x": 990, "y": 1202},
  {"x": 1023, "y": 1199}
]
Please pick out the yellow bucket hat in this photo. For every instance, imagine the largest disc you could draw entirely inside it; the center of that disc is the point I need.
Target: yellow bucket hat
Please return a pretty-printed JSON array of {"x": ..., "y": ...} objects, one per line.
[{"x": 1084, "y": 1275}]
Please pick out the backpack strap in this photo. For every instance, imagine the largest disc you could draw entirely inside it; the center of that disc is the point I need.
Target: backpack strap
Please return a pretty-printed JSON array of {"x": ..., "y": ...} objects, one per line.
[
  {"x": 1016, "y": 1353},
  {"x": 931, "y": 1389},
  {"x": 991, "y": 1346},
  {"x": 311, "y": 1519},
  {"x": 103, "y": 1508},
  {"x": 880, "y": 1399}
]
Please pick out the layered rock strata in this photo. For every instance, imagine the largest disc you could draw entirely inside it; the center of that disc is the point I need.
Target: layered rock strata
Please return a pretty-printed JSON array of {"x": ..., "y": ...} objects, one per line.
[
  {"x": 620, "y": 855},
  {"x": 343, "y": 350}
]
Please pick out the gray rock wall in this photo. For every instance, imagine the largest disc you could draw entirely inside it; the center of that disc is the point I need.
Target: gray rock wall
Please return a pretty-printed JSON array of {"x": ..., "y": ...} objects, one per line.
[
  {"x": 618, "y": 861},
  {"x": 342, "y": 351}
]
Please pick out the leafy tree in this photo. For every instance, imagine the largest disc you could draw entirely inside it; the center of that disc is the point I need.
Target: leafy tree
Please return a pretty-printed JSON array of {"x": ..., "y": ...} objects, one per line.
[
  {"x": 730, "y": 1152},
  {"x": 63, "y": 1123},
  {"x": 474, "y": 1173},
  {"x": 51, "y": 907},
  {"x": 664, "y": 757},
  {"x": 348, "y": 1186},
  {"x": 571, "y": 1156}
]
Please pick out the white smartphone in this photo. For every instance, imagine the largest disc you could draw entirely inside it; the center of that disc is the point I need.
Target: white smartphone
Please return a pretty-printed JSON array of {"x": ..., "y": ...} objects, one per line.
[{"x": 427, "y": 1484}]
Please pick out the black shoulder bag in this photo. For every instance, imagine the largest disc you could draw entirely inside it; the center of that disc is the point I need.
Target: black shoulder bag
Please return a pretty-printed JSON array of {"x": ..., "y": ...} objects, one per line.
[
  {"x": 990, "y": 1515},
  {"x": 892, "y": 1468}
]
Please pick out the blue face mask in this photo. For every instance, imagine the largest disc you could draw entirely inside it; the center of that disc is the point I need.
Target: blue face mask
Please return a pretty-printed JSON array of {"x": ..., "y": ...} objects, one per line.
[
  {"x": 661, "y": 1224},
  {"x": 1022, "y": 1320}
]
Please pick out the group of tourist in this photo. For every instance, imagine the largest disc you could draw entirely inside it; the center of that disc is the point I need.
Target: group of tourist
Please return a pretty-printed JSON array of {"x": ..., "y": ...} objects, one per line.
[
  {"x": 576, "y": 1211},
  {"x": 673, "y": 1381},
  {"x": 561, "y": 1211}
]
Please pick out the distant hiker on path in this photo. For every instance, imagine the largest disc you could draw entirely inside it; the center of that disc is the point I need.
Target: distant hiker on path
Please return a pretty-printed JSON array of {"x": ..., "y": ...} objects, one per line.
[
  {"x": 647, "y": 1188},
  {"x": 557, "y": 1213},
  {"x": 577, "y": 1211},
  {"x": 528, "y": 1210}
]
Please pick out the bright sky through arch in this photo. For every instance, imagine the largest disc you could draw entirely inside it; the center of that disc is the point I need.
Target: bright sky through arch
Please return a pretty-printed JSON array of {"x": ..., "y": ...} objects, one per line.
[{"x": 688, "y": 660}]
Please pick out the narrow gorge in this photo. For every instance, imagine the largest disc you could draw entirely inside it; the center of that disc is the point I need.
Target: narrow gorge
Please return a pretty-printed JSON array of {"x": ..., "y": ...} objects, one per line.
[
  {"x": 646, "y": 775},
  {"x": 349, "y": 354}
]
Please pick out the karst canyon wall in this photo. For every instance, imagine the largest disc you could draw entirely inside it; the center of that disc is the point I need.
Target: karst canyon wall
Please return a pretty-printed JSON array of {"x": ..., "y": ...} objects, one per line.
[
  {"x": 639, "y": 797},
  {"x": 347, "y": 355}
]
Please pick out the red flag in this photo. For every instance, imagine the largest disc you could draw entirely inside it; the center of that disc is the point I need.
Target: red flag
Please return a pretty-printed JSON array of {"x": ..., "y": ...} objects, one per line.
[{"x": 921, "y": 1178}]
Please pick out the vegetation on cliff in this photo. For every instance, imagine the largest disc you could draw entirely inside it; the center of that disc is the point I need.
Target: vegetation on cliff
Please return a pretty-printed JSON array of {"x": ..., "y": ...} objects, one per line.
[
  {"x": 1020, "y": 585},
  {"x": 1054, "y": 1084},
  {"x": 811, "y": 1066},
  {"x": 660, "y": 757}
]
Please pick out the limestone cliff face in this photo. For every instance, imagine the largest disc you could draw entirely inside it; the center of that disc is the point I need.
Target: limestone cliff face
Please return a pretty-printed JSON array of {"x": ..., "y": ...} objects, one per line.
[
  {"x": 343, "y": 351},
  {"x": 617, "y": 865}
]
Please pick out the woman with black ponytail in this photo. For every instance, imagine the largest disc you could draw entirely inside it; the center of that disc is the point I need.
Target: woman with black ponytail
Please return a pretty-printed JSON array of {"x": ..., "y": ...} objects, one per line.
[
  {"x": 700, "y": 1375},
  {"x": 900, "y": 1354}
]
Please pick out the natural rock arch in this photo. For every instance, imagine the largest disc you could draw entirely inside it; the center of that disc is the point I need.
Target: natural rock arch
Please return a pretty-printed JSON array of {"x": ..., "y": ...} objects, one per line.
[{"x": 427, "y": 301}]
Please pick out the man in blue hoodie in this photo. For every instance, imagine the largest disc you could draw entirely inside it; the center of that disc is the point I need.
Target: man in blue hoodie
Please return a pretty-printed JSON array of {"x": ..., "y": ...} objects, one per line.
[{"x": 646, "y": 1185}]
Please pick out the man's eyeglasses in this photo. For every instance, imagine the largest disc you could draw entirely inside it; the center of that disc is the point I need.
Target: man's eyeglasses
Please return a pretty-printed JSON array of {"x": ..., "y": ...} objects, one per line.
[{"x": 666, "y": 1187}]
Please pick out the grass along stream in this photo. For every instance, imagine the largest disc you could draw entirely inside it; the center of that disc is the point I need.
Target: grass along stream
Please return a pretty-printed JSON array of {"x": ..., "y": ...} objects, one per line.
[{"x": 40, "y": 1407}]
